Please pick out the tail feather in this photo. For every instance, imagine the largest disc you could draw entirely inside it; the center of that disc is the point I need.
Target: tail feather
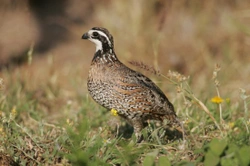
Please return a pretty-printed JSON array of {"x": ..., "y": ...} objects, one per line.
[{"x": 175, "y": 123}]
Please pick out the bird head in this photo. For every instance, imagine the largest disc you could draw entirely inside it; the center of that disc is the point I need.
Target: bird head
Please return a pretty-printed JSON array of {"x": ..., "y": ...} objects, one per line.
[{"x": 102, "y": 39}]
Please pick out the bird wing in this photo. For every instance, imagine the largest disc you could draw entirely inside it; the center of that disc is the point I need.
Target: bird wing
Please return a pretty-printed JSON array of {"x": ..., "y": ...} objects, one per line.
[{"x": 143, "y": 93}]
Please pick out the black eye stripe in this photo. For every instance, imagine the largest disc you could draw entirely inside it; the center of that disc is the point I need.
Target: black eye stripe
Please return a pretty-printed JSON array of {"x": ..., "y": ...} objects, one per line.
[
  {"x": 103, "y": 39},
  {"x": 102, "y": 35}
]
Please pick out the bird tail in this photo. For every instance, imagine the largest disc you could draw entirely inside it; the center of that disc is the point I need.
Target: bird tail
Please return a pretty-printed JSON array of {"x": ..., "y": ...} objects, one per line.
[{"x": 175, "y": 123}]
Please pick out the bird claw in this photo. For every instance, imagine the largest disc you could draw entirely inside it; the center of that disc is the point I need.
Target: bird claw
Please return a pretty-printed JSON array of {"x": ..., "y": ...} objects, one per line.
[{"x": 139, "y": 138}]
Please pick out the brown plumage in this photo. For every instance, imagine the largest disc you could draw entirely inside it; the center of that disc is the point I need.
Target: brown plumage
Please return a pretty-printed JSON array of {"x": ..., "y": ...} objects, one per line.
[{"x": 115, "y": 86}]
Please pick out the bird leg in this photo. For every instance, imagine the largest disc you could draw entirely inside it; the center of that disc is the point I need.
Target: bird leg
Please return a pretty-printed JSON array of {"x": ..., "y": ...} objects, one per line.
[{"x": 138, "y": 126}]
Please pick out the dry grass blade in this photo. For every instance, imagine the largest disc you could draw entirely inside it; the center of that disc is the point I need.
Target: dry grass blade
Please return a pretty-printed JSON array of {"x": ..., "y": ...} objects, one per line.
[{"x": 207, "y": 111}]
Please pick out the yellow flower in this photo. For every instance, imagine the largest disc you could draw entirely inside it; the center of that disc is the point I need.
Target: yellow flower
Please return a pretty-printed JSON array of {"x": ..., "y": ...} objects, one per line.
[
  {"x": 186, "y": 121},
  {"x": 106, "y": 141},
  {"x": 217, "y": 100},
  {"x": 113, "y": 112},
  {"x": 231, "y": 124},
  {"x": 69, "y": 122},
  {"x": 13, "y": 113},
  {"x": 2, "y": 133}
]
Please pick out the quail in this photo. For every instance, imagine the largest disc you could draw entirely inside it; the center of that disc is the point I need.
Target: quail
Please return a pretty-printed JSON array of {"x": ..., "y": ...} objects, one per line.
[{"x": 115, "y": 86}]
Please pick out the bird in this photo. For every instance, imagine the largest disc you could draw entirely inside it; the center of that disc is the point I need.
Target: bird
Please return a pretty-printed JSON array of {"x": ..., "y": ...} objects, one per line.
[{"x": 115, "y": 86}]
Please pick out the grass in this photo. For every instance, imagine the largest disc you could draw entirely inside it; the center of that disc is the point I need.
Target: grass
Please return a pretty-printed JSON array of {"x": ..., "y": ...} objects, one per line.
[
  {"x": 198, "y": 51},
  {"x": 87, "y": 137}
]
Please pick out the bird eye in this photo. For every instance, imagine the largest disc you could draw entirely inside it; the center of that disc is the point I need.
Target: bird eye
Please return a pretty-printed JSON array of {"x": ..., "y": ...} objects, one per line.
[{"x": 95, "y": 34}]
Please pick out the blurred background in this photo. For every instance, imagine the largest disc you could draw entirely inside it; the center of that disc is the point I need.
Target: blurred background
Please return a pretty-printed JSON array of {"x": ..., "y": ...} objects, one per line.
[{"x": 41, "y": 46}]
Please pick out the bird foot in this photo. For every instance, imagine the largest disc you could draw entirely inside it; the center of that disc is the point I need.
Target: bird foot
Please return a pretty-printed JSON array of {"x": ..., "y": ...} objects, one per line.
[{"x": 139, "y": 137}]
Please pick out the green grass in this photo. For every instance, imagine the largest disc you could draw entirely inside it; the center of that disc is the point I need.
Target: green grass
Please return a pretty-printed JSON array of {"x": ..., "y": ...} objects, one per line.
[
  {"x": 89, "y": 136},
  {"x": 47, "y": 117}
]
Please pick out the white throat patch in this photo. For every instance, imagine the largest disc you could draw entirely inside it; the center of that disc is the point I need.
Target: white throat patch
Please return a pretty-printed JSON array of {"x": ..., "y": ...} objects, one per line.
[{"x": 97, "y": 42}]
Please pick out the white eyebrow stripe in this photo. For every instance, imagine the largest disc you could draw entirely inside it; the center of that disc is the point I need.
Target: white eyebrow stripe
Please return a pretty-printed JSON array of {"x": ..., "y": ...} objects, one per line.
[{"x": 102, "y": 34}]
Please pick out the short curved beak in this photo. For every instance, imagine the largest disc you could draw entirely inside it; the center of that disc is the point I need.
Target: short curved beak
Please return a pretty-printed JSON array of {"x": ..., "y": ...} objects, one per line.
[{"x": 85, "y": 36}]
